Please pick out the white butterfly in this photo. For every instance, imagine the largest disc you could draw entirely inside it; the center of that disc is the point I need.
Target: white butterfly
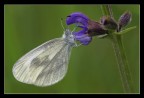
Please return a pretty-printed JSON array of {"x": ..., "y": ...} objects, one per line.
[{"x": 47, "y": 64}]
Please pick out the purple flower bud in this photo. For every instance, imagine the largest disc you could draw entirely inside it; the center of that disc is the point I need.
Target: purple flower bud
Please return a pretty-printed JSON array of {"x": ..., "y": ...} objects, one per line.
[
  {"x": 124, "y": 20},
  {"x": 77, "y": 17},
  {"x": 108, "y": 22}
]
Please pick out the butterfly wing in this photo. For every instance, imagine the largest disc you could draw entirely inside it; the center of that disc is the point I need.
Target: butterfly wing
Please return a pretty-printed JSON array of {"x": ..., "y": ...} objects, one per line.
[{"x": 44, "y": 65}]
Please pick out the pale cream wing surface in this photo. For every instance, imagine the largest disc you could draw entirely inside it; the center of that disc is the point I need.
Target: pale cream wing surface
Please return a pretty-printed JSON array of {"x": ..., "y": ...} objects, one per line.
[{"x": 44, "y": 65}]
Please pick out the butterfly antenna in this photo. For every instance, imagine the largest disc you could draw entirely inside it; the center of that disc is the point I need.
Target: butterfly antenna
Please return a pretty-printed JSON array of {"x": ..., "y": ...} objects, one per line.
[
  {"x": 77, "y": 45},
  {"x": 62, "y": 24},
  {"x": 76, "y": 26}
]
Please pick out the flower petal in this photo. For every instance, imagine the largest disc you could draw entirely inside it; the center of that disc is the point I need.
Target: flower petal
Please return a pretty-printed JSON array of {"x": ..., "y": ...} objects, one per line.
[
  {"x": 77, "y": 17},
  {"x": 82, "y": 36},
  {"x": 85, "y": 39},
  {"x": 81, "y": 32},
  {"x": 81, "y": 19}
]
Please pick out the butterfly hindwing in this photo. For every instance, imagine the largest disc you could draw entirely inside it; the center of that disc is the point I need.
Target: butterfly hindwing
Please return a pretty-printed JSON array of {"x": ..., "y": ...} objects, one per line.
[{"x": 44, "y": 65}]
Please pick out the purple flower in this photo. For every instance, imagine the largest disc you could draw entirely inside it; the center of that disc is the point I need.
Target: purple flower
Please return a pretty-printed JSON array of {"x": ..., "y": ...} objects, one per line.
[
  {"x": 95, "y": 28},
  {"x": 81, "y": 35}
]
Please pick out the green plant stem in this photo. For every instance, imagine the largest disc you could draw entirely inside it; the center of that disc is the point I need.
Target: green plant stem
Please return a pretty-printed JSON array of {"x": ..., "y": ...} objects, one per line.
[
  {"x": 120, "y": 55},
  {"x": 106, "y": 9},
  {"x": 122, "y": 63}
]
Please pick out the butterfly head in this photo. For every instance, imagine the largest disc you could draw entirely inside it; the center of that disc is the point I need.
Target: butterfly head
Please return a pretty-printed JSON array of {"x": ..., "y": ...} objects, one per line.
[{"x": 69, "y": 37}]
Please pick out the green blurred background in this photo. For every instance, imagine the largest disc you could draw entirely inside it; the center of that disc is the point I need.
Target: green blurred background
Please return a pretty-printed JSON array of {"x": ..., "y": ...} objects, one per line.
[{"x": 92, "y": 68}]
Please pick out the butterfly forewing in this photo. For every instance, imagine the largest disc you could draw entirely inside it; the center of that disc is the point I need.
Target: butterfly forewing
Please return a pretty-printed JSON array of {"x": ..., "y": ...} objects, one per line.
[{"x": 44, "y": 65}]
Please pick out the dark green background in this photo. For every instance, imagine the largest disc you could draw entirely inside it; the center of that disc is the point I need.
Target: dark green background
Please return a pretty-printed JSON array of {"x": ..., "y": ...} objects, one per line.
[{"x": 92, "y": 68}]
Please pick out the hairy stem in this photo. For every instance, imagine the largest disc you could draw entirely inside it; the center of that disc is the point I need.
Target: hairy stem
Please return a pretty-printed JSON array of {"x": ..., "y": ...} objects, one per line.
[
  {"x": 122, "y": 63},
  {"x": 120, "y": 55},
  {"x": 107, "y": 11}
]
